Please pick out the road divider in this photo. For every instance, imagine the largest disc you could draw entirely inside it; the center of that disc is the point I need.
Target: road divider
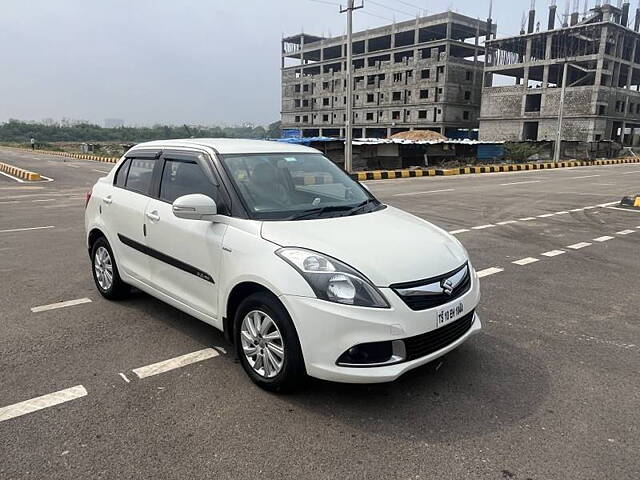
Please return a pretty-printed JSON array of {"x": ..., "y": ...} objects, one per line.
[
  {"x": 632, "y": 201},
  {"x": 19, "y": 173},
  {"x": 79, "y": 156},
  {"x": 512, "y": 167}
]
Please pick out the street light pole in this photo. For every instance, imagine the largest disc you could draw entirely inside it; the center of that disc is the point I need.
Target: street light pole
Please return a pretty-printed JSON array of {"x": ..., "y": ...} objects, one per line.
[
  {"x": 556, "y": 153},
  {"x": 348, "y": 164}
]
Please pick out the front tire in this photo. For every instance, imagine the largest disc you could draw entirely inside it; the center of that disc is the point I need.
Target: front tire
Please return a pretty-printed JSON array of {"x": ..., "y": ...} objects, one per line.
[
  {"x": 267, "y": 344},
  {"x": 105, "y": 271}
]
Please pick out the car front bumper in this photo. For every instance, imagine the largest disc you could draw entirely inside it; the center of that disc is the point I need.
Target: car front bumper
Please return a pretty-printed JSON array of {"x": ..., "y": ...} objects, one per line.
[{"x": 327, "y": 329}]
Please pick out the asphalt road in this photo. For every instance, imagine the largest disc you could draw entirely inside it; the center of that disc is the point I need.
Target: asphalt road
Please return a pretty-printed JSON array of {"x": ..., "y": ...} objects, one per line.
[{"x": 549, "y": 390}]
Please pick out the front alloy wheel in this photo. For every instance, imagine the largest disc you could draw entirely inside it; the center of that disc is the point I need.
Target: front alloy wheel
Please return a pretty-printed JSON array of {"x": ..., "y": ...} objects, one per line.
[
  {"x": 262, "y": 344},
  {"x": 267, "y": 343}
]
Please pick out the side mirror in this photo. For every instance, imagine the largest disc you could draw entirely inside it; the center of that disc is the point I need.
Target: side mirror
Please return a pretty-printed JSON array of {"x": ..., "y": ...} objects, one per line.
[{"x": 195, "y": 207}]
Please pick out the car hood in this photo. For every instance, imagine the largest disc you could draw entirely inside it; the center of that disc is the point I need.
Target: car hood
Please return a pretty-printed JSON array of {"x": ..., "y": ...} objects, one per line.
[{"x": 387, "y": 246}]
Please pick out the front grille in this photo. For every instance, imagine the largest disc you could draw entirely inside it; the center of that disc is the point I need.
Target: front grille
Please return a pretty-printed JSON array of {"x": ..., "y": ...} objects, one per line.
[
  {"x": 422, "y": 302},
  {"x": 427, "y": 343}
]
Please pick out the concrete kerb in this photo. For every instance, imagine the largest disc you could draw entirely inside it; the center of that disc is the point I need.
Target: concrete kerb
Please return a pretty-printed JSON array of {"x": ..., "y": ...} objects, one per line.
[
  {"x": 513, "y": 167},
  {"x": 19, "y": 172}
]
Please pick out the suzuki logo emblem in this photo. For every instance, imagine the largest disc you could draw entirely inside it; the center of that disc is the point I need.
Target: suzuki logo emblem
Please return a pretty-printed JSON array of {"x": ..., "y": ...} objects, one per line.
[{"x": 447, "y": 286}]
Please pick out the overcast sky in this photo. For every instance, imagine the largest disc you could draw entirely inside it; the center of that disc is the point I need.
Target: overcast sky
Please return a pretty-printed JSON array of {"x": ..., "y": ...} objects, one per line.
[{"x": 174, "y": 61}]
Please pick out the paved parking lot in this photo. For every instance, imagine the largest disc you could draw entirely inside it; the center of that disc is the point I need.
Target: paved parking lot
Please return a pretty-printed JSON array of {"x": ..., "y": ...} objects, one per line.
[{"x": 136, "y": 389}]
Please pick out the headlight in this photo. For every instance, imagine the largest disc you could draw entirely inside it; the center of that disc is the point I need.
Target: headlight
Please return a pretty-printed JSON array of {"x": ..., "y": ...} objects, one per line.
[{"x": 332, "y": 280}]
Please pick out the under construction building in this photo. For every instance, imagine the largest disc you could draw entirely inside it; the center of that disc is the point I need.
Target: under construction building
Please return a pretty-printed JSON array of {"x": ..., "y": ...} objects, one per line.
[
  {"x": 523, "y": 95},
  {"x": 419, "y": 74}
]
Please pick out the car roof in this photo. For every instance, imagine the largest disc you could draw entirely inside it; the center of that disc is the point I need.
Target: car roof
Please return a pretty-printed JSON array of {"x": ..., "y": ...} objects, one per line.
[{"x": 230, "y": 145}]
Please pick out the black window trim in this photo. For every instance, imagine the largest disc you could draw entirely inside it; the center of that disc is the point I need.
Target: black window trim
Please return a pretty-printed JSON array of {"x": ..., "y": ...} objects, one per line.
[
  {"x": 142, "y": 154},
  {"x": 206, "y": 163}
]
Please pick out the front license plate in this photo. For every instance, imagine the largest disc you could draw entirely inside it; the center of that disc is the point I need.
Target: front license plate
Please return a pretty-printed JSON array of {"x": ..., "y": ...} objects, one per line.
[{"x": 449, "y": 314}]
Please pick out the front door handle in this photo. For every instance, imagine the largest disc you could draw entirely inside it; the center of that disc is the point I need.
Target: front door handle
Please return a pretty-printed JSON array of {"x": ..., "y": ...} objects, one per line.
[
  {"x": 153, "y": 216},
  {"x": 108, "y": 200}
]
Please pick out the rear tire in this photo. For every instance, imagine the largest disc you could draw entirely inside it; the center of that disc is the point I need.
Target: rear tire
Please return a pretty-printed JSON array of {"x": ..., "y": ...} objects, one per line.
[
  {"x": 105, "y": 271},
  {"x": 267, "y": 344}
]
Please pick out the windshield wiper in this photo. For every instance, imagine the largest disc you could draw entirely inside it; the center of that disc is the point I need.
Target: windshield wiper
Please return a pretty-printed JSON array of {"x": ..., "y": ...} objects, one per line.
[
  {"x": 360, "y": 206},
  {"x": 318, "y": 211}
]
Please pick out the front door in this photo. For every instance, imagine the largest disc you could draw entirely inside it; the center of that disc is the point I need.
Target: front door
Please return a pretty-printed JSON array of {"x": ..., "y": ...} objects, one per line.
[{"x": 185, "y": 254}]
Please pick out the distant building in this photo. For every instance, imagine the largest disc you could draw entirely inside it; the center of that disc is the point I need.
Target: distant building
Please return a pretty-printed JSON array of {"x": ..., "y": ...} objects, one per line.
[
  {"x": 524, "y": 76},
  {"x": 113, "y": 123},
  {"x": 419, "y": 74}
]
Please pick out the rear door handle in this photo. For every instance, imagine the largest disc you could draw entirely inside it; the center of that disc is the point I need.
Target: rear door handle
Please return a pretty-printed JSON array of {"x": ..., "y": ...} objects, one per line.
[
  {"x": 153, "y": 216},
  {"x": 108, "y": 200}
]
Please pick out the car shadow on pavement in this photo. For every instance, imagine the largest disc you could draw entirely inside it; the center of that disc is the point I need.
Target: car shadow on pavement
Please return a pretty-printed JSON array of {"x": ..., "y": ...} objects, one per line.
[{"x": 484, "y": 385}]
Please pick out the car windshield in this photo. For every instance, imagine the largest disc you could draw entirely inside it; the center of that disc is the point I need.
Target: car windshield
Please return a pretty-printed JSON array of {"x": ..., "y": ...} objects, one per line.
[{"x": 290, "y": 186}]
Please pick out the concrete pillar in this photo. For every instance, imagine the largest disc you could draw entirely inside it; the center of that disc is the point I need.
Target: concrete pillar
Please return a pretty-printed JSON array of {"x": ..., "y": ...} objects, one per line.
[
  {"x": 301, "y": 50},
  {"x": 393, "y": 35}
]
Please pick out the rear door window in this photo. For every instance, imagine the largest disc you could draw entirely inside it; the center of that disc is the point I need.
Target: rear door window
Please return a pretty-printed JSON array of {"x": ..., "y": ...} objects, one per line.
[
  {"x": 121, "y": 174},
  {"x": 140, "y": 174}
]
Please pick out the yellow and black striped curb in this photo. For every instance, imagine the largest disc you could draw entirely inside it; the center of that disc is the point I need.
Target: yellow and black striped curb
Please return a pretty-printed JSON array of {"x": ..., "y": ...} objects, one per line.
[
  {"x": 632, "y": 201},
  {"x": 514, "y": 167},
  {"x": 80, "y": 156},
  {"x": 19, "y": 172}
]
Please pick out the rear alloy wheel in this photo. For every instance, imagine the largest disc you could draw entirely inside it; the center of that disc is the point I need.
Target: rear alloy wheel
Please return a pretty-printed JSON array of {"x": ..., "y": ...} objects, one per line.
[
  {"x": 105, "y": 271},
  {"x": 267, "y": 343}
]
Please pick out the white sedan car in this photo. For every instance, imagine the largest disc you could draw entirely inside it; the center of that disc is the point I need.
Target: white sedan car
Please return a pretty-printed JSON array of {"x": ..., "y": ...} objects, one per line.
[{"x": 300, "y": 266}]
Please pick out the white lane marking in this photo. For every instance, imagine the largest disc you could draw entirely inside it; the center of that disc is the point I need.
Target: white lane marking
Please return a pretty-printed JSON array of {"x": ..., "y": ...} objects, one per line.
[
  {"x": 462, "y": 230},
  {"x": 53, "y": 306},
  {"x": 44, "y": 401},
  {"x": 624, "y": 209},
  {"x": 603, "y": 239},
  {"x": 44, "y": 200},
  {"x": 603, "y": 205},
  {"x": 564, "y": 212},
  {"x": 520, "y": 183},
  {"x": 526, "y": 261},
  {"x": 124, "y": 377},
  {"x": 12, "y": 177},
  {"x": 507, "y": 222},
  {"x": 99, "y": 171},
  {"x": 576, "y": 209},
  {"x": 625, "y": 232},
  {"x": 173, "y": 363},
  {"x": 420, "y": 193},
  {"x": 627, "y": 173},
  {"x": 482, "y": 227},
  {"x": 590, "y": 207},
  {"x": 489, "y": 271},
  {"x": 577, "y": 246},
  {"x": 584, "y": 176},
  {"x": 25, "y": 229},
  {"x": 526, "y": 219},
  {"x": 553, "y": 253},
  {"x": 545, "y": 215},
  {"x": 72, "y": 165}
]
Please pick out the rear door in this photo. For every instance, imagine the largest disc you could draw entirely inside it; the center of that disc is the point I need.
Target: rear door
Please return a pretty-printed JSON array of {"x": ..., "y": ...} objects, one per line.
[
  {"x": 186, "y": 254},
  {"x": 124, "y": 214}
]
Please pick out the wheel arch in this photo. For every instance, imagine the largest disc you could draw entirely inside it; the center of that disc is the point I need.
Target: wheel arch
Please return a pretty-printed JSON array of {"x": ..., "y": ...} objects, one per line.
[
  {"x": 238, "y": 293},
  {"x": 94, "y": 235}
]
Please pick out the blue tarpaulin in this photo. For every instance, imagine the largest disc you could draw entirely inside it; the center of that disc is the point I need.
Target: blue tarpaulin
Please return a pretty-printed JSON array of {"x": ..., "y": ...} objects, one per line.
[{"x": 308, "y": 140}]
